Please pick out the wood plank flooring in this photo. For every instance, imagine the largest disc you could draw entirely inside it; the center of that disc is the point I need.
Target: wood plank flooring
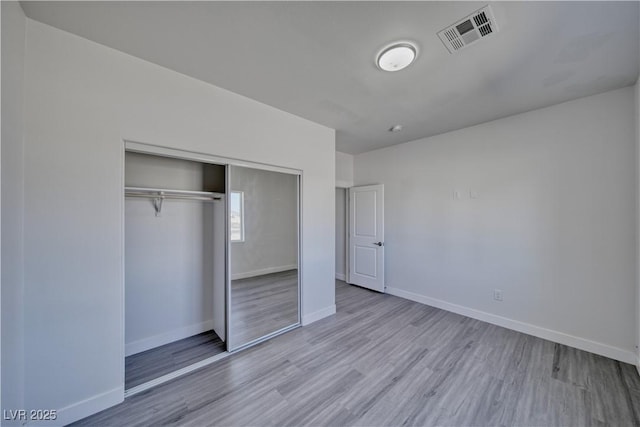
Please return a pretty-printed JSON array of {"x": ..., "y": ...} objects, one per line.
[
  {"x": 151, "y": 364},
  {"x": 263, "y": 304},
  {"x": 260, "y": 306},
  {"x": 385, "y": 361}
]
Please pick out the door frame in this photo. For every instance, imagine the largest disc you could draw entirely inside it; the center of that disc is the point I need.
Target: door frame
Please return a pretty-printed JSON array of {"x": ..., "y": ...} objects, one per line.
[{"x": 345, "y": 186}]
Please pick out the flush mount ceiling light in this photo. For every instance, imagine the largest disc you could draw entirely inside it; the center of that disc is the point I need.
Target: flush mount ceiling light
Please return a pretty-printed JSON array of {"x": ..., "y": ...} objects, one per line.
[{"x": 396, "y": 56}]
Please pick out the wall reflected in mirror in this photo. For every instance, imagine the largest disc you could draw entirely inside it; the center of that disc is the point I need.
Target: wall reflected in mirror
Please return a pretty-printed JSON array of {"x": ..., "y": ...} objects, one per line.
[{"x": 263, "y": 229}]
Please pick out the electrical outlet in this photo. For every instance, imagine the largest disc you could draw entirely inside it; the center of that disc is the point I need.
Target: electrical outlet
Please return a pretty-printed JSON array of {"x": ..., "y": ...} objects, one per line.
[{"x": 497, "y": 294}]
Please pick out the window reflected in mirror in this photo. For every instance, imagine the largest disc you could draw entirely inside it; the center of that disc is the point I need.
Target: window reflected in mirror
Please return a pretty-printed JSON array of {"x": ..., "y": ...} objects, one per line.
[{"x": 236, "y": 221}]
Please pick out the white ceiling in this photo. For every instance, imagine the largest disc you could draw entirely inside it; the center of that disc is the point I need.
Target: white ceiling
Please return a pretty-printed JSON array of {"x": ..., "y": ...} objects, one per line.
[{"x": 316, "y": 59}]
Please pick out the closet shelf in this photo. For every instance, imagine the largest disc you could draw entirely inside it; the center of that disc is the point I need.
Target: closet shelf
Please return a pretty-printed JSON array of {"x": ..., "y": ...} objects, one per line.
[{"x": 159, "y": 194}]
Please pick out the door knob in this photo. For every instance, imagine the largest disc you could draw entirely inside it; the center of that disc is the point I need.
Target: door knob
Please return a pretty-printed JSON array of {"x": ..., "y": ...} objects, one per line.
[{"x": 378, "y": 243}]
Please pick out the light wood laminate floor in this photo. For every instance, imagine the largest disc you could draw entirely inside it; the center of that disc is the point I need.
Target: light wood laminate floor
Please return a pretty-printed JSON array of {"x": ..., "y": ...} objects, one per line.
[
  {"x": 382, "y": 360},
  {"x": 260, "y": 306},
  {"x": 263, "y": 304},
  {"x": 151, "y": 364}
]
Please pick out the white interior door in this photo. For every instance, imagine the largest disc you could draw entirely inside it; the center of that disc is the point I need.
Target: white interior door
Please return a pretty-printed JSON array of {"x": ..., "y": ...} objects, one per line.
[{"x": 366, "y": 236}]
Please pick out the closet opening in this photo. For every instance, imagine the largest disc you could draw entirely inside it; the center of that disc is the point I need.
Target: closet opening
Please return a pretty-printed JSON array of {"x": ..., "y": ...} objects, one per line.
[
  {"x": 175, "y": 265},
  {"x": 212, "y": 250}
]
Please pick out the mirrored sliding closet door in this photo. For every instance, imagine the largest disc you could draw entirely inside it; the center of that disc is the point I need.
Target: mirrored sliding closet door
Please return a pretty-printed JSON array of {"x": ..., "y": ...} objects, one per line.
[{"x": 263, "y": 221}]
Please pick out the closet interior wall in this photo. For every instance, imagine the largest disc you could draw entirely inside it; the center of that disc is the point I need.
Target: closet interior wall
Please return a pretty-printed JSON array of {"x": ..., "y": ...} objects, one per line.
[{"x": 174, "y": 261}]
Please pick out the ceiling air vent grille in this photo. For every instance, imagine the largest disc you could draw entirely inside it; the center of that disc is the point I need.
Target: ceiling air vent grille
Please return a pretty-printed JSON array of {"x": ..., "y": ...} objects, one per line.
[
  {"x": 468, "y": 30},
  {"x": 452, "y": 36}
]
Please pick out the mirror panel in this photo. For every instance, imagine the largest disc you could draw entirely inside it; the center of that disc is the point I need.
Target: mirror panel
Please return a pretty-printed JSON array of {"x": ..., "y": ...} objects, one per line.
[{"x": 263, "y": 230}]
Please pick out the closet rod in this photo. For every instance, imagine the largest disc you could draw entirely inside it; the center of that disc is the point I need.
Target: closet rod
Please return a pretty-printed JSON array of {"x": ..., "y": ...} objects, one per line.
[
  {"x": 175, "y": 196},
  {"x": 155, "y": 193},
  {"x": 159, "y": 194}
]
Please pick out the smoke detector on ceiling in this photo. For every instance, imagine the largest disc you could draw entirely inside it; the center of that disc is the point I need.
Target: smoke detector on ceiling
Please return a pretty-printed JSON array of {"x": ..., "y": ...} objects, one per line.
[{"x": 480, "y": 24}]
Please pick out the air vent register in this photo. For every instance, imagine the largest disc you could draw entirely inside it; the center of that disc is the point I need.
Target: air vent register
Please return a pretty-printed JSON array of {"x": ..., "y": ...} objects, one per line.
[{"x": 480, "y": 24}]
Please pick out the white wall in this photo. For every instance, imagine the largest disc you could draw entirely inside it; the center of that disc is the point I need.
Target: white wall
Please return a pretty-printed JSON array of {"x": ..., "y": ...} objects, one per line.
[
  {"x": 344, "y": 170},
  {"x": 81, "y": 101},
  {"x": 12, "y": 357},
  {"x": 341, "y": 232},
  {"x": 552, "y": 221},
  {"x": 168, "y": 258},
  {"x": 270, "y": 222}
]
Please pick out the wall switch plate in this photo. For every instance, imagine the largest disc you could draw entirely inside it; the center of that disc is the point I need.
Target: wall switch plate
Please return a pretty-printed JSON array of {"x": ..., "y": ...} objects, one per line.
[{"x": 497, "y": 294}]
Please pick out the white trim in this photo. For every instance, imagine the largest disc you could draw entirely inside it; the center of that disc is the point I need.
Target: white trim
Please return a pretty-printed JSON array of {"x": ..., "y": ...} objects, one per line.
[
  {"x": 317, "y": 315},
  {"x": 167, "y": 337},
  {"x": 263, "y": 271},
  {"x": 175, "y": 374},
  {"x": 300, "y": 252},
  {"x": 123, "y": 262},
  {"x": 347, "y": 241},
  {"x": 344, "y": 184},
  {"x": 141, "y": 147},
  {"x": 84, "y": 408},
  {"x": 341, "y": 276},
  {"x": 616, "y": 353}
]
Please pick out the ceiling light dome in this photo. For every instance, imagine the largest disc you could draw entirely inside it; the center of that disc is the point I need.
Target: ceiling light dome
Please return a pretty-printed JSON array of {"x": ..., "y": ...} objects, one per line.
[{"x": 397, "y": 56}]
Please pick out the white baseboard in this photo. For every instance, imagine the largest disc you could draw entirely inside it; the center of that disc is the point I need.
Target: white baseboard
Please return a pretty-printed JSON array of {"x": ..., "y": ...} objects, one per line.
[
  {"x": 537, "y": 331},
  {"x": 84, "y": 408},
  {"x": 167, "y": 337},
  {"x": 317, "y": 315},
  {"x": 341, "y": 276},
  {"x": 263, "y": 271}
]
